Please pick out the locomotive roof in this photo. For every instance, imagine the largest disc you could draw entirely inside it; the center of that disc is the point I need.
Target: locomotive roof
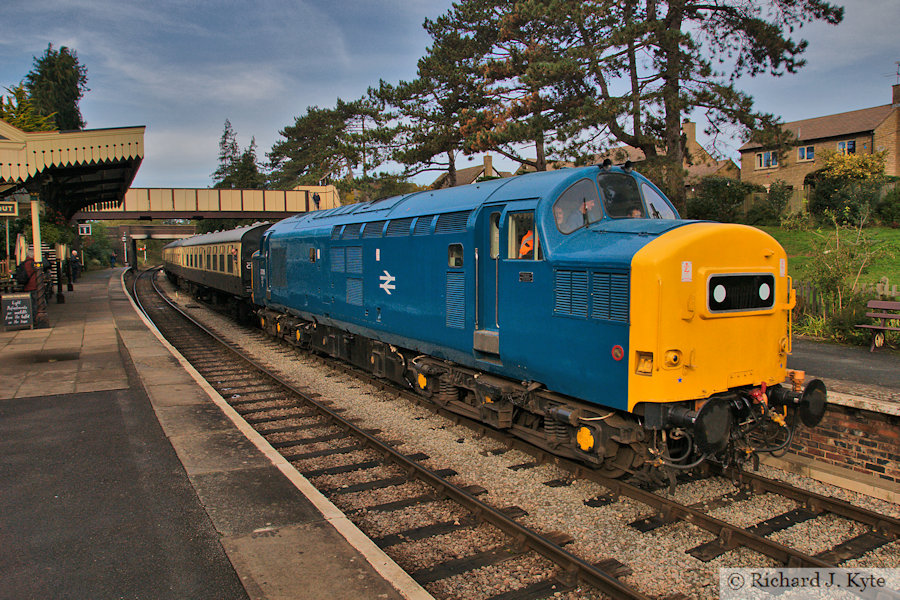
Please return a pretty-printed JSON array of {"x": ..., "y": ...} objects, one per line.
[
  {"x": 218, "y": 237},
  {"x": 466, "y": 197}
]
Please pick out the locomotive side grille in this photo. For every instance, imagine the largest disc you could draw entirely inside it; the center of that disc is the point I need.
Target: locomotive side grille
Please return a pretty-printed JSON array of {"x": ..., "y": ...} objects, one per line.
[
  {"x": 452, "y": 222},
  {"x": 351, "y": 232},
  {"x": 277, "y": 266},
  {"x": 399, "y": 227},
  {"x": 456, "y": 300},
  {"x": 336, "y": 232},
  {"x": 354, "y": 259},
  {"x": 609, "y": 294},
  {"x": 619, "y": 300},
  {"x": 354, "y": 291},
  {"x": 373, "y": 229},
  {"x": 423, "y": 224},
  {"x": 571, "y": 294},
  {"x": 600, "y": 296},
  {"x": 338, "y": 260}
]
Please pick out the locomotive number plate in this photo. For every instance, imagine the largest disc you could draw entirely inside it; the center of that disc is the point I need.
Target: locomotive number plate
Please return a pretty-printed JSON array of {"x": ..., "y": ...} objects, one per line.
[{"x": 526, "y": 277}]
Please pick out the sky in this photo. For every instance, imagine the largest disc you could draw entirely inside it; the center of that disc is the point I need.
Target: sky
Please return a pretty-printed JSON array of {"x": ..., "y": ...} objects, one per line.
[{"x": 182, "y": 67}]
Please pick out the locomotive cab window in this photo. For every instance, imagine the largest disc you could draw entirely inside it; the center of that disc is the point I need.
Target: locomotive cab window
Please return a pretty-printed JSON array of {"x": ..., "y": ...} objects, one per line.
[
  {"x": 657, "y": 207},
  {"x": 455, "y": 256},
  {"x": 620, "y": 196},
  {"x": 522, "y": 239},
  {"x": 577, "y": 206},
  {"x": 495, "y": 235}
]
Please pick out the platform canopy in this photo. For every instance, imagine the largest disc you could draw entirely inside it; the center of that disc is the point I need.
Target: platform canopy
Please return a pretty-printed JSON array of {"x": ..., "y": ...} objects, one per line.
[{"x": 70, "y": 169}]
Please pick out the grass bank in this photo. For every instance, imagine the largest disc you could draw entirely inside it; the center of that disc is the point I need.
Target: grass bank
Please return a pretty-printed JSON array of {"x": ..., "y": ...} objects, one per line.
[{"x": 801, "y": 250}]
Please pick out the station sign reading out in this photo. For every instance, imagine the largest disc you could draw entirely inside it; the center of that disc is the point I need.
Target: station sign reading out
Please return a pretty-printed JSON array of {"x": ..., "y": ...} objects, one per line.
[
  {"x": 84, "y": 229},
  {"x": 9, "y": 209}
]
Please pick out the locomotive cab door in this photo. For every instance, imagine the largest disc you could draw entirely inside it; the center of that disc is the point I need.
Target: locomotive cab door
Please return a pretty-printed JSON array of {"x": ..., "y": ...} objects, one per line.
[
  {"x": 503, "y": 232},
  {"x": 486, "y": 341}
]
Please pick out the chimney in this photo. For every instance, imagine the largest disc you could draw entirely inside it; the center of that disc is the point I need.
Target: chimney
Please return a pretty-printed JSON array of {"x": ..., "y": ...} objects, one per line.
[
  {"x": 895, "y": 101},
  {"x": 690, "y": 132},
  {"x": 488, "y": 166}
]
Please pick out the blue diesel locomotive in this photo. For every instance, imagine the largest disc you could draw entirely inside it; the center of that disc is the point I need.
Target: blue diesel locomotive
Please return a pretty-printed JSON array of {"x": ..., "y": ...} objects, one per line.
[{"x": 572, "y": 307}]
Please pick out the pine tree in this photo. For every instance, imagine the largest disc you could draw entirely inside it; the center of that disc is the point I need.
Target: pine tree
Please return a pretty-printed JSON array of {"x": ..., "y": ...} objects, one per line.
[
  {"x": 237, "y": 169},
  {"x": 55, "y": 86},
  {"x": 327, "y": 144},
  {"x": 17, "y": 110},
  {"x": 228, "y": 155}
]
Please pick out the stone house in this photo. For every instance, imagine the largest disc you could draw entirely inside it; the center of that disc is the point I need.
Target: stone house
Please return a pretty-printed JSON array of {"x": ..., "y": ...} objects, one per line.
[{"x": 868, "y": 130}]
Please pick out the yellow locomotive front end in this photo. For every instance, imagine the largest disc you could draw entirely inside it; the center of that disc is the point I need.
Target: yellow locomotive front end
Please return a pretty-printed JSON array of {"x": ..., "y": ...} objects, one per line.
[{"x": 709, "y": 340}]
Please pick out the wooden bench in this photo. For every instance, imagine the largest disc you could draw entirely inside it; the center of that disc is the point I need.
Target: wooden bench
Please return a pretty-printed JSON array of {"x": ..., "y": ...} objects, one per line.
[{"x": 885, "y": 311}]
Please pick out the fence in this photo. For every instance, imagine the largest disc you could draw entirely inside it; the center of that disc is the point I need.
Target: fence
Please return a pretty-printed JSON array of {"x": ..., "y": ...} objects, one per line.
[{"x": 810, "y": 300}]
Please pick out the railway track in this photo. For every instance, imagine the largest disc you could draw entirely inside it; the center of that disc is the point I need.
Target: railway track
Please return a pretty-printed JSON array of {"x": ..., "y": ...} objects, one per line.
[
  {"x": 304, "y": 429},
  {"x": 364, "y": 468}
]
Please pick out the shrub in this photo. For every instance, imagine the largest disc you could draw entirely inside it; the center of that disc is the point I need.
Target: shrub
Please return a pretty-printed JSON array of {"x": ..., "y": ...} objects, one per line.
[
  {"x": 797, "y": 221},
  {"x": 770, "y": 210},
  {"x": 887, "y": 211},
  {"x": 842, "y": 325},
  {"x": 811, "y": 325},
  {"x": 846, "y": 185},
  {"x": 719, "y": 199}
]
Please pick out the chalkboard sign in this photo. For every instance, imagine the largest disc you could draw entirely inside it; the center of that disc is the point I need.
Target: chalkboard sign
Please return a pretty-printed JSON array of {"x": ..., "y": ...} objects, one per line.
[{"x": 17, "y": 313}]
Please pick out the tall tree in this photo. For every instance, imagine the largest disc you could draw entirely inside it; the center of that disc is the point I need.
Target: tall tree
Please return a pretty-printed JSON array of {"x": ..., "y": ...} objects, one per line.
[
  {"x": 228, "y": 154},
  {"x": 580, "y": 72},
  {"x": 652, "y": 62},
  {"x": 17, "y": 110},
  {"x": 329, "y": 143},
  {"x": 427, "y": 111},
  {"x": 516, "y": 52},
  {"x": 237, "y": 169},
  {"x": 55, "y": 86}
]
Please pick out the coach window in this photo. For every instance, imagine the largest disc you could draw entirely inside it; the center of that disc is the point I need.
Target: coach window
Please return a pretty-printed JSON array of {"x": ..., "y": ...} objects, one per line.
[
  {"x": 455, "y": 256},
  {"x": 523, "y": 242},
  {"x": 221, "y": 262}
]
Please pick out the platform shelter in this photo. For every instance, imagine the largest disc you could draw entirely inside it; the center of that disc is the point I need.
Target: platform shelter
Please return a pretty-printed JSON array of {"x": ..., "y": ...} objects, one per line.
[{"x": 65, "y": 171}]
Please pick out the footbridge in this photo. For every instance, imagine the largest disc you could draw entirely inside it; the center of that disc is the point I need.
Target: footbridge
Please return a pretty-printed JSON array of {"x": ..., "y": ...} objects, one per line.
[{"x": 208, "y": 203}]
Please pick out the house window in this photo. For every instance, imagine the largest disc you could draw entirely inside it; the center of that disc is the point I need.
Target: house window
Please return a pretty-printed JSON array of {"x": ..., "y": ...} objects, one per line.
[
  {"x": 766, "y": 160},
  {"x": 848, "y": 147},
  {"x": 807, "y": 153}
]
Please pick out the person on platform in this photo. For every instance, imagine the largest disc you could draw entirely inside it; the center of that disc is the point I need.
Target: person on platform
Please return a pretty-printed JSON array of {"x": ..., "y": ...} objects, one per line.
[
  {"x": 76, "y": 266},
  {"x": 27, "y": 274}
]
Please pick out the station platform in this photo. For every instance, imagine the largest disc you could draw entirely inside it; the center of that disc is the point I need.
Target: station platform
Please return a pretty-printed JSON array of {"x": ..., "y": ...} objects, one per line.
[{"x": 125, "y": 476}]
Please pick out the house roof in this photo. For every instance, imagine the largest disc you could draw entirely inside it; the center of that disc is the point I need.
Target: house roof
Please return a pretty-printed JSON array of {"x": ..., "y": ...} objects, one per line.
[
  {"x": 841, "y": 124},
  {"x": 466, "y": 176}
]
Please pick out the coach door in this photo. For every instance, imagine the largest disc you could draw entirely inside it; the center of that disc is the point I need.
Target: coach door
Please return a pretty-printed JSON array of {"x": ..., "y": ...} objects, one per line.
[{"x": 486, "y": 342}]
